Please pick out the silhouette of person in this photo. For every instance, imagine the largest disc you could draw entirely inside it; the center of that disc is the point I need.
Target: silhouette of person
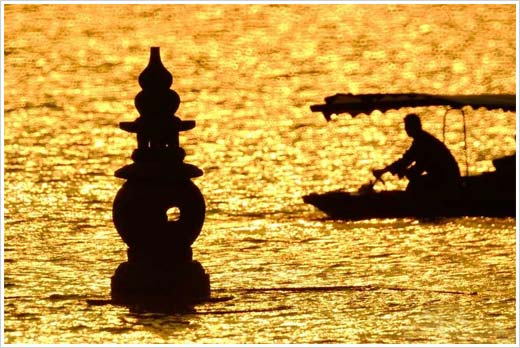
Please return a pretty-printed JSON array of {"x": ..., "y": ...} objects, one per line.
[{"x": 428, "y": 164}]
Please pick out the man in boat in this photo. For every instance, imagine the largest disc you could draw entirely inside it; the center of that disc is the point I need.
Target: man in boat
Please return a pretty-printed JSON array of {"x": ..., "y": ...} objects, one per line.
[{"x": 428, "y": 164}]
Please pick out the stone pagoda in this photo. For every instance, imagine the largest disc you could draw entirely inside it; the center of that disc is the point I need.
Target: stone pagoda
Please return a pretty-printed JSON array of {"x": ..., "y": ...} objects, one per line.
[{"x": 160, "y": 264}]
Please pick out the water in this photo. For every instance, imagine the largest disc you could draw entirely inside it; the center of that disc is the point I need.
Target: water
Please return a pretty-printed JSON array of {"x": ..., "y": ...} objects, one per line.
[{"x": 247, "y": 74}]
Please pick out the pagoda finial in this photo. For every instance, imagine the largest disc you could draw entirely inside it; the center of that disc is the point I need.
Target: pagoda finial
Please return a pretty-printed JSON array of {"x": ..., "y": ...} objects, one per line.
[{"x": 155, "y": 75}]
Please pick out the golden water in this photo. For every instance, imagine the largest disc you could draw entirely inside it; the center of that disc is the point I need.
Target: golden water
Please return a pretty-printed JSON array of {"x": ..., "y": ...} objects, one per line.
[{"x": 247, "y": 74}]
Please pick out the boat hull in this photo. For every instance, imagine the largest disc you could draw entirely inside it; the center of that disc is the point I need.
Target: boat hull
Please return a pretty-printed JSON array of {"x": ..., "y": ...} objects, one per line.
[{"x": 400, "y": 204}]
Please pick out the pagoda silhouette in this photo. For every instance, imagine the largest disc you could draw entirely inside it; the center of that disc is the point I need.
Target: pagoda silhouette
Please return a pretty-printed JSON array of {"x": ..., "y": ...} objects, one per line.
[{"x": 160, "y": 266}]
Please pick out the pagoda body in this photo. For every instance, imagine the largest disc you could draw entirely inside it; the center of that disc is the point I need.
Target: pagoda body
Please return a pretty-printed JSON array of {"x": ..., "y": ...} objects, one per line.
[{"x": 160, "y": 264}]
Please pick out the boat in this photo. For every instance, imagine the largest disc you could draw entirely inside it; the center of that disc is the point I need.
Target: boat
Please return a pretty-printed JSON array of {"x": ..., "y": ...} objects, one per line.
[{"x": 488, "y": 194}]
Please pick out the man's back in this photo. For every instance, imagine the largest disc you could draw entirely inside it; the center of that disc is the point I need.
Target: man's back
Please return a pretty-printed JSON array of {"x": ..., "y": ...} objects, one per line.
[{"x": 432, "y": 156}]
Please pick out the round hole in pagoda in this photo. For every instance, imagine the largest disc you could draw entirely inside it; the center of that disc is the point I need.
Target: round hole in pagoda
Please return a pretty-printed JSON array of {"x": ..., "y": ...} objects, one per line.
[{"x": 173, "y": 214}]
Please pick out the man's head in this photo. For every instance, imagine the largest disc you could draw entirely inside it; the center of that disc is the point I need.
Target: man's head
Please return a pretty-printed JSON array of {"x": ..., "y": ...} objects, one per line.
[{"x": 412, "y": 125}]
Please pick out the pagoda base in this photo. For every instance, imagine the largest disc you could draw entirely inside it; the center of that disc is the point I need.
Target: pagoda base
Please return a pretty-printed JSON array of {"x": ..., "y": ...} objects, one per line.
[{"x": 183, "y": 283}]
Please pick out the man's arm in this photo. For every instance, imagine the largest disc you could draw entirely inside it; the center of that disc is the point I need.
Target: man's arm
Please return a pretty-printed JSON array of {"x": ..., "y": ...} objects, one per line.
[{"x": 398, "y": 167}]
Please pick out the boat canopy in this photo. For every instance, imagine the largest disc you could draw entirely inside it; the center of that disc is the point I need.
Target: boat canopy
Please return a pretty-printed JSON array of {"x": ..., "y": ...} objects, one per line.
[{"x": 355, "y": 104}]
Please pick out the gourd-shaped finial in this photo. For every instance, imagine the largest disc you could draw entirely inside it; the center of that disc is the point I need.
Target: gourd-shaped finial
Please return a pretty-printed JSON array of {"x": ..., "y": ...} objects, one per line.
[
  {"x": 156, "y": 99},
  {"x": 155, "y": 75}
]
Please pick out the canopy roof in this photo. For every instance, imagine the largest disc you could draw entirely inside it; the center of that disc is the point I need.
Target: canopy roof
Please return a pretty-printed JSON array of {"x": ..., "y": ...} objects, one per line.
[{"x": 355, "y": 104}]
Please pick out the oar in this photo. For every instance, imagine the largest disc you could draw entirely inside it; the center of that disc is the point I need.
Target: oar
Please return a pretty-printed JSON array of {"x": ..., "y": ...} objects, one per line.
[{"x": 369, "y": 187}]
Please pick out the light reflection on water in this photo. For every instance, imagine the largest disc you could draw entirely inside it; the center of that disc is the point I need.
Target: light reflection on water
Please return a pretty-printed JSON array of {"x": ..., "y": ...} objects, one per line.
[{"x": 248, "y": 74}]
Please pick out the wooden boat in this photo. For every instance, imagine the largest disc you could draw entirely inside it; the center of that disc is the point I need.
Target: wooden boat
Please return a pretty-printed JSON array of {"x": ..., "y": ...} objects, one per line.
[{"x": 489, "y": 194}]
